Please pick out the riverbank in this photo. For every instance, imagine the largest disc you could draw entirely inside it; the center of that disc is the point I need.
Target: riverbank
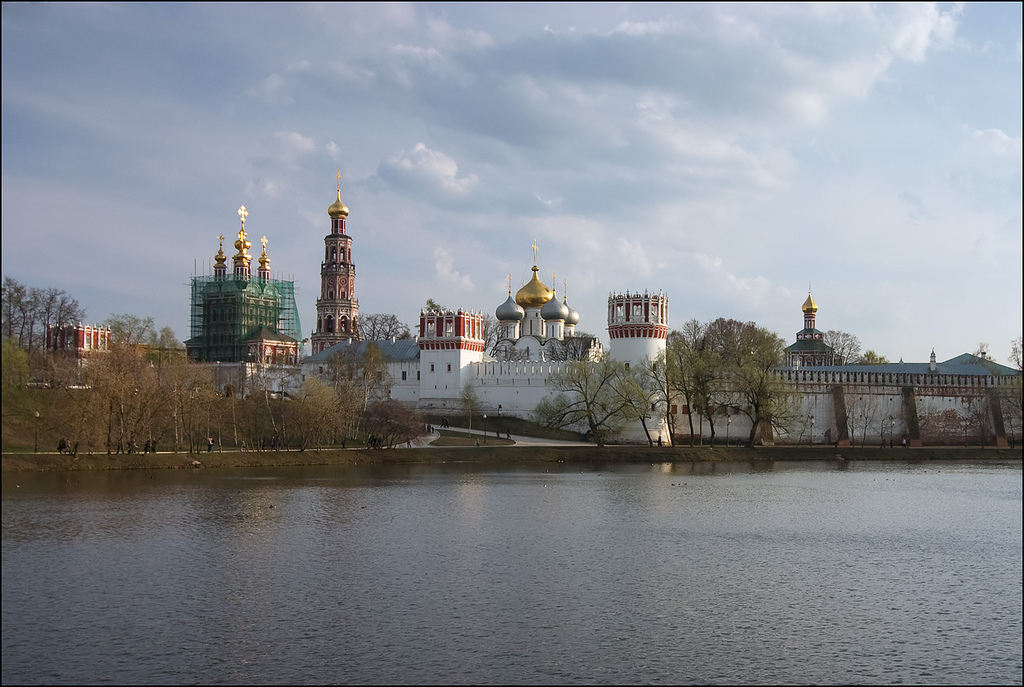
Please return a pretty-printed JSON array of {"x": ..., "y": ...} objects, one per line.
[{"x": 20, "y": 462}]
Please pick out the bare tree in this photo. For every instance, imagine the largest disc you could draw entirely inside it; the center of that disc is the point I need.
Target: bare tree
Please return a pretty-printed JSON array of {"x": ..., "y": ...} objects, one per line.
[
  {"x": 391, "y": 422},
  {"x": 130, "y": 329},
  {"x": 845, "y": 346},
  {"x": 587, "y": 397},
  {"x": 381, "y": 326}
]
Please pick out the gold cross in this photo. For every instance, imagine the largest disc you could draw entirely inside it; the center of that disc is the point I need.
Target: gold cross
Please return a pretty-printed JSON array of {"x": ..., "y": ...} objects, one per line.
[
  {"x": 264, "y": 242},
  {"x": 510, "y": 283},
  {"x": 243, "y": 213},
  {"x": 535, "y": 251},
  {"x": 220, "y": 237},
  {"x": 339, "y": 180}
]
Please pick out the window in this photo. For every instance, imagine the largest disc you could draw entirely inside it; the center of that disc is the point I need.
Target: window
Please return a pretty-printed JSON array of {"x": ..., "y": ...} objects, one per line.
[
  {"x": 431, "y": 367},
  {"x": 449, "y": 367},
  {"x": 403, "y": 375}
]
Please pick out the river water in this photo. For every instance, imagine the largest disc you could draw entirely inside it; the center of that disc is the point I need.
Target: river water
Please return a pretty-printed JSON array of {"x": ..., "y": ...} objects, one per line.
[{"x": 785, "y": 572}]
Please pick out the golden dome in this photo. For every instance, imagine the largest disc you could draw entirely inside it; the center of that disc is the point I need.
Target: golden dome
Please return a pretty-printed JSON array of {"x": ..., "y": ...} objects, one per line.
[
  {"x": 534, "y": 294},
  {"x": 338, "y": 208},
  {"x": 809, "y": 305}
]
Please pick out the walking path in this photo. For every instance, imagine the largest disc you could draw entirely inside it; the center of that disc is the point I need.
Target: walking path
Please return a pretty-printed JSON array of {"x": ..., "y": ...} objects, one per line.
[{"x": 423, "y": 441}]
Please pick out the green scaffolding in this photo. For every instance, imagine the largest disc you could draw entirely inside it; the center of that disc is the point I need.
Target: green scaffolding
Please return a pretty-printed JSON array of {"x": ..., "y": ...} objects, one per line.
[{"x": 228, "y": 311}]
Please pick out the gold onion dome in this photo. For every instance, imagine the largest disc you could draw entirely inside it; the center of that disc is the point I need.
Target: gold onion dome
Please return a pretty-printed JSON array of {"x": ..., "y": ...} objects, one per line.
[
  {"x": 809, "y": 305},
  {"x": 338, "y": 208},
  {"x": 534, "y": 294}
]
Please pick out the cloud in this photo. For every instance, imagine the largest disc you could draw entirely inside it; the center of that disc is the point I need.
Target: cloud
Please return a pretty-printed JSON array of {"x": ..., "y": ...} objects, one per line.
[
  {"x": 444, "y": 267},
  {"x": 427, "y": 171},
  {"x": 997, "y": 143}
]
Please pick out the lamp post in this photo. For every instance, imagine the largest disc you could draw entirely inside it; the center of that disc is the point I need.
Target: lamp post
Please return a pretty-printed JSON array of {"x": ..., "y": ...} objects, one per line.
[
  {"x": 485, "y": 428},
  {"x": 728, "y": 423},
  {"x": 810, "y": 439},
  {"x": 35, "y": 448},
  {"x": 892, "y": 426}
]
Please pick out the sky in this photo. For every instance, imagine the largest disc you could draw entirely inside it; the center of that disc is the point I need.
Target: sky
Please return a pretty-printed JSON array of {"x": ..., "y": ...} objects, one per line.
[{"x": 729, "y": 155}]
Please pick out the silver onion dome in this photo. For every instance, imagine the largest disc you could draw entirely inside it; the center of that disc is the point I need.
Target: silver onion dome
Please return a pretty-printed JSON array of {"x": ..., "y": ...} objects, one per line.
[
  {"x": 554, "y": 310},
  {"x": 574, "y": 317},
  {"x": 509, "y": 311}
]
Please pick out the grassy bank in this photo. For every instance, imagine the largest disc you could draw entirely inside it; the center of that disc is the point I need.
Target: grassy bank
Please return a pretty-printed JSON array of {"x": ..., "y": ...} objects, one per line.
[{"x": 485, "y": 454}]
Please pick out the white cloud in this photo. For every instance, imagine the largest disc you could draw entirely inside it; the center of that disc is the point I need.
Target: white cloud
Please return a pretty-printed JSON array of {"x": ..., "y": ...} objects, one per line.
[
  {"x": 998, "y": 143},
  {"x": 444, "y": 268},
  {"x": 427, "y": 169},
  {"x": 295, "y": 142}
]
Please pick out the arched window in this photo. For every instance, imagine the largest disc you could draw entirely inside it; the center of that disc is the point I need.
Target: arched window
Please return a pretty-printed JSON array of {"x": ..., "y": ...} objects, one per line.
[{"x": 329, "y": 324}]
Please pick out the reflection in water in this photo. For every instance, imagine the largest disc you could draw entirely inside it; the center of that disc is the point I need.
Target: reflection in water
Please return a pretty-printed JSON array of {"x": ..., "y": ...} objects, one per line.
[{"x": 844, "y": 572}]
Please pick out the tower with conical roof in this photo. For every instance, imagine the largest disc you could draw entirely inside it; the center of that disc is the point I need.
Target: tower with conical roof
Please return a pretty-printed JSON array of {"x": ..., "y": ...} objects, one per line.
[
  {"x": 810, "y": 349},
  {"x": 337, "y": 309}
]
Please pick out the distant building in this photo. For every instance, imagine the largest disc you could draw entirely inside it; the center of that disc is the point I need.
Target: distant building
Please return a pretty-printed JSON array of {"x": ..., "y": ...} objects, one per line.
[
  {"x": 238, "y": 319},
  {"x": 78, "y": 340},
  {"x": 810, "y": 349}
]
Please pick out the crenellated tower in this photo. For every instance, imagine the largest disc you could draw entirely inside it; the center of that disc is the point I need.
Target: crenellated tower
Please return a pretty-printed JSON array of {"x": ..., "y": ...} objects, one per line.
[
  {"x": 337, "y": 310},
  {"x": 637, "y": 325},
  {"x": 449, "y": 342}
]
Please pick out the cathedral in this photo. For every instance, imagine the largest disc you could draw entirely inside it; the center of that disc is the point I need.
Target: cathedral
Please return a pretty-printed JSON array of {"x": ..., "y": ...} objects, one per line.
[{"x": 238, "y": 319}]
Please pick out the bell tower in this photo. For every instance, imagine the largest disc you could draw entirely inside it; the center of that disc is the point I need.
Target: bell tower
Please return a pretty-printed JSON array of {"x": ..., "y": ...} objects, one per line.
[{"x": 337, "y": 310}]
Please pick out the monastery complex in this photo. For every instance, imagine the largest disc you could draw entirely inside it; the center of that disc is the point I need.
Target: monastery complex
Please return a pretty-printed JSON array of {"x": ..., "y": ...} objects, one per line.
[{"x": 250, "y": 326}]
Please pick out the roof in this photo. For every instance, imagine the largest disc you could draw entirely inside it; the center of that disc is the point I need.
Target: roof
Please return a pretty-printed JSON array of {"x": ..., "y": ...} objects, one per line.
[
  {"x": 965, "y": 364},
  {"x": 393, "y": 350},
  {"x": 268, "y": 334}
]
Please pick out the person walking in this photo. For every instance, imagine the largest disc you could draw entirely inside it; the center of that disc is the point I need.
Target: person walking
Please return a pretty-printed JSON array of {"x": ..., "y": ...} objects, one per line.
[{"x": 209, "y": 444}]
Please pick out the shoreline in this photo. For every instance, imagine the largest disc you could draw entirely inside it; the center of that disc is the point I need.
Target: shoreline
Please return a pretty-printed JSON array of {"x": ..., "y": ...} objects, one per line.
[{"x": 55, "y": 462}]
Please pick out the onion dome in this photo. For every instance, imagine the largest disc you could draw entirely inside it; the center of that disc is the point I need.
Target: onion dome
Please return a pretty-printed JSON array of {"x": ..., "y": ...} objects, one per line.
[
  {"x": 535, "y": 293},
  {"x": 242, "y": 244},
  {"x": 574, "y": 317},
  {"x": 809, "y": 305},
  {"x": 553, "y": 310},
  {"x": 220, "y": 258},
  {"x": 338, "y": 208},
  {"x": 264, "y": 260},
  {"x": 509, "y": 310}
]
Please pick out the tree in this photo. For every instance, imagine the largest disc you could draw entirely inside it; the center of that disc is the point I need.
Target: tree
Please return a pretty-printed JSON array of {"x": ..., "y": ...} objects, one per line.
[
  {"x": 490, "y": 331},
  {"x": 871, "y": 358},
  {"x": 588, "y": 396},
  {"x": 130, "y": 329},
  {"x": 313, "y": 413},
  {"x": 579, "y": 346},
  {"x": 433, "y": 306},
  {"x": 470, "y": 402},
  {"x": 845, "y": 346},
  {"x": 391, "y": 422},
  {"x": 695, "y": 357},
  {"x": 635, "y": 386},
  {"x": 664, "y": 390},
  {"x": 757, "y": 391},
  {"x": 382, "y": 326}
]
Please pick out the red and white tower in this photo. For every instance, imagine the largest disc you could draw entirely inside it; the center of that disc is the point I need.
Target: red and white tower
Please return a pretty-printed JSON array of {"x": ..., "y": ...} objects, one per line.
[
  {"x": 637, "y": 326},
  {"x": 337, "y": 310},
  {"x": 449, "y": 342}
]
